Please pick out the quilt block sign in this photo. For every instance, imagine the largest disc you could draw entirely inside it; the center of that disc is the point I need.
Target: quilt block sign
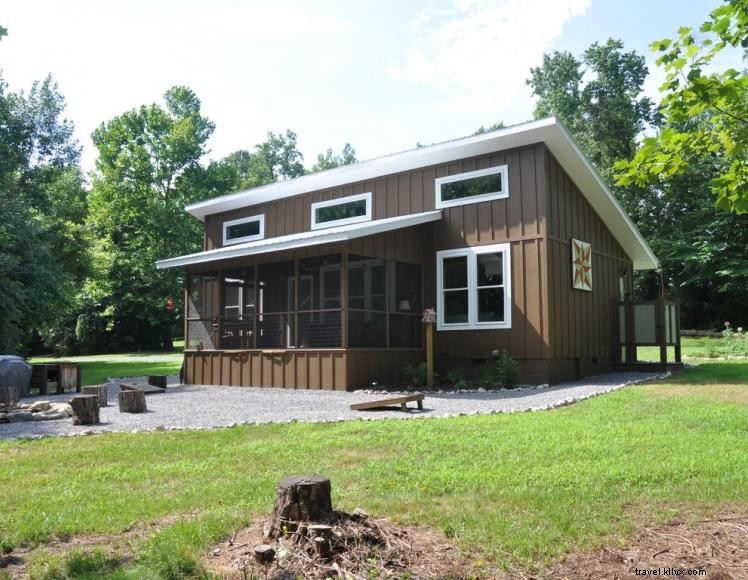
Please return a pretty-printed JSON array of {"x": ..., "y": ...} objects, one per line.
[{"x": 581, "y": 264}]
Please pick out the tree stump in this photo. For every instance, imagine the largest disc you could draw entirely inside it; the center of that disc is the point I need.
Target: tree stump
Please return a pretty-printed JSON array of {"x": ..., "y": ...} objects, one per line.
[
  {"x": 9, "y": 395},
  {"x": 131, "y": 401},
  {"x": 157, "y": 381},
  {"x": 85, "y": 409},
  {"x": 300, "y": 498},
  {"x": 98, "y": 390}
]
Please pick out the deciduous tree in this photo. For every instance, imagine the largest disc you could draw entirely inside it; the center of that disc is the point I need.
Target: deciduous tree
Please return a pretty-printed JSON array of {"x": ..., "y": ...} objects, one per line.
[{"x": 706, "y": 112}]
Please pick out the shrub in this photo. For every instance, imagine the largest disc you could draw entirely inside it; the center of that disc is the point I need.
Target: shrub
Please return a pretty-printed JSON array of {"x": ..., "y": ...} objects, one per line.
[
  {"x": 417, "y": 374},
  {"x": 458, "y": 378},
  {"x": 486, "y": 376},
  {"x": 507, "y": 370}
]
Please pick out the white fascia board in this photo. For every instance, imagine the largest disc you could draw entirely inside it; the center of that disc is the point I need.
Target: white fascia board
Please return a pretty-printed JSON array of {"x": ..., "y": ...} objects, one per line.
[
  {"x": 311, "y": 238},
  {"x": 510, "y": 137},
  {"x": 602, "y": 200}
]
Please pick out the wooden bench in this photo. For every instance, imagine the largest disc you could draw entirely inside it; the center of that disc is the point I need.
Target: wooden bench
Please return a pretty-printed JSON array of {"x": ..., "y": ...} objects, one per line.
[{"x": 381, "y": 403}]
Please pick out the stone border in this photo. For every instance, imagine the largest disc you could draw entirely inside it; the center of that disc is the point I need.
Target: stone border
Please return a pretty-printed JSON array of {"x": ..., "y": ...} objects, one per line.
[{"x": 413, "y": 414}]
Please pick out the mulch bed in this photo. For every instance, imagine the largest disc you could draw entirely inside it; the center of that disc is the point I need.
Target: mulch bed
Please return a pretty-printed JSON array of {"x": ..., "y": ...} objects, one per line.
[{"x": 718, "y": 545}]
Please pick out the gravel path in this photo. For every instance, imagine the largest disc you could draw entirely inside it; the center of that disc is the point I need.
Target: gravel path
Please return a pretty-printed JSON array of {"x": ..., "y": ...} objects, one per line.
[{"x": 200, "y": 407}]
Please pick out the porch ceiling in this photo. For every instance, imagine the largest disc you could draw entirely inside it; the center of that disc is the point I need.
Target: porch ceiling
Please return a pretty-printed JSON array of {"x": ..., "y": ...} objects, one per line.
[{"x": 302, "y": 240}]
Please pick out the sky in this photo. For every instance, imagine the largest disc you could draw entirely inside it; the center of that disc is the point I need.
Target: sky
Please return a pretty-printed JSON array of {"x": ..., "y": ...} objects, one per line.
[{"x": 380, "y": 74}]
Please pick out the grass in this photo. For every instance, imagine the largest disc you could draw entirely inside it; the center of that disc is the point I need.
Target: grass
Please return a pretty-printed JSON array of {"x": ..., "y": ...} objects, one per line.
[
  {"x": 522, "y": 489},
  {"x": 96, "y": 369},
  {"x": 691, "y": 347}
]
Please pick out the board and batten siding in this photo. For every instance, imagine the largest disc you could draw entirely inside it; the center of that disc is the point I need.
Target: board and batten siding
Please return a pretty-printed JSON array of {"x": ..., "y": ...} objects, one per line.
[
  {"x": 580, "y": 321},
  {"x": 519, "y": 220}
]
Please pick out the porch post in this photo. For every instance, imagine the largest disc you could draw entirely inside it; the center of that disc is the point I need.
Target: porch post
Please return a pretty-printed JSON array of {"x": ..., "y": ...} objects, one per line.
[
  {"x": 660, "y": 327},
  {"x": 186, "y": 312},
  {"x": 615, "y": 323},
  {"x": 344, "y": 300},
  {"x": 628, "y": 309}
]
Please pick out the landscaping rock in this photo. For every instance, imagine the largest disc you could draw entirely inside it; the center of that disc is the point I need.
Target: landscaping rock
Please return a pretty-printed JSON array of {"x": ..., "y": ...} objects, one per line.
[
  {"x": 3, "y": 417},
  {"x": 63, "y": 407},
  {"x": 51, "y": 415},
  {"x": 20, "y": 416},
  {"x": 40, "y": 406}
]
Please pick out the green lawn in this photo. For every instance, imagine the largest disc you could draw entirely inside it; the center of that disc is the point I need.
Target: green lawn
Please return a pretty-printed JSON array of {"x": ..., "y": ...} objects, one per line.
[
  {"x": 691, "y": 346},
  {"x": 520, "y": 489},
  {"x": 96, "y": 369}
]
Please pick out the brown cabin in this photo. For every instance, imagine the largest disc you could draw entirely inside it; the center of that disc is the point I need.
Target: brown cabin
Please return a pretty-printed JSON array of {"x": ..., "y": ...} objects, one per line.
[{"x": 320, "y": 282}]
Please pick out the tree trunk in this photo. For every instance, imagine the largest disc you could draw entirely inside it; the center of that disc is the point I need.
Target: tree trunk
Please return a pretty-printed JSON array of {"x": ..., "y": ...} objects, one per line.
[
  {"x": 301, "y": 498},
  {"x": 157, "y": 381},
  {"x": 9, "y": 395},
  {"x": 98, "y": 390},
  {"x": 131, "y": 401},
  {"x": 85, "y": 409}
]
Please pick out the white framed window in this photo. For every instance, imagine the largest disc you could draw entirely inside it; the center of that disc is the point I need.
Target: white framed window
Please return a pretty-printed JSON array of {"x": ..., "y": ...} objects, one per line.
[
  {"x": 244, "y": 229},
  {"x": 341, "y": 211},
  {"x": 472, "y": 187},
  {"x": 474, "y": 288}
]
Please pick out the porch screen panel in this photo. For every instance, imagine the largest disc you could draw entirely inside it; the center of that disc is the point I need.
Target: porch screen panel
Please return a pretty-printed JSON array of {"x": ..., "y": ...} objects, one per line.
[
  {"x": 275, "y": 305},
  {"x": 318, "y": 303},
  {"x": 239, "y": 305},
  {"x": 203, "y": 310},
  {"x": 367, "y": 317},
  {"x": 405, "y": 304}
]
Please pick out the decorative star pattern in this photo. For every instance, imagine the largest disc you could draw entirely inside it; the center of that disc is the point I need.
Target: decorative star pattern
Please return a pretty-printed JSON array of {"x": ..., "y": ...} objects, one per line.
[{"x": 581, "y": 263}]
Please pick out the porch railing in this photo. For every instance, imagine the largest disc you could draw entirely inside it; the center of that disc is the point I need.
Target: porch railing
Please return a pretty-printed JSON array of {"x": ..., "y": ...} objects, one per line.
[{"x": 302, "y": 329}]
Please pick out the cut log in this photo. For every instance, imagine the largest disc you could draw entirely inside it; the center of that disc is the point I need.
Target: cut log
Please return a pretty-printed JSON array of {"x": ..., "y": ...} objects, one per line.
[
  {"x": 264, "y": 554},
  {"x": 131, "y": 401},
  {"x": 300, "y": 498},
  {"x": 98, "y": 390},
  {"x": 9, "y": 395},
  {"x": 157, "y": 381},
  {"x": 85, "y": 409}
]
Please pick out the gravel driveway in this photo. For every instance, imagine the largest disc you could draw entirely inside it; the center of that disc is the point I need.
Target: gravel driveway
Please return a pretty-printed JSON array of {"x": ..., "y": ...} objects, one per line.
[{"x": 200, "y": 407}]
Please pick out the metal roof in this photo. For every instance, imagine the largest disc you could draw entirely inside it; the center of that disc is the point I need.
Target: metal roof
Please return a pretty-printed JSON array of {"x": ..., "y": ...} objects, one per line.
[{"x": 304, "y": 239}]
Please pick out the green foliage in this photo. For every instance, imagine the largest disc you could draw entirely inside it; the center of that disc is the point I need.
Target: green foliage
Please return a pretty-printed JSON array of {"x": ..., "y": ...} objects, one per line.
[
  {"x": 43, "y": 251},
  {"x": 148, "y": 169},
  {"x": 275, "y": 159},
  {"x": 417, "y": 374},
  {"x": 486, "y": 376},
  {"x": 330, "y": 160},
  {"x": 701, "y": 249},
  {"x": 495, "y": 127},
  {"x": 734, "y": 343},
  {"x": 457, "y": 378},
  {"x": 3, "y": 32},
  {"x": 706, "y": 112},
  {"x": 507, "y": 370},
  {"x": 597, "y": 97}
]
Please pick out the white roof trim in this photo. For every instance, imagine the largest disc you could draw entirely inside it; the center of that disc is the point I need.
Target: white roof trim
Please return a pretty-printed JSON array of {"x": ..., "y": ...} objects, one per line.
[
  {"x": 312, "y": 238},
  {"x": 549, "y": 131}
]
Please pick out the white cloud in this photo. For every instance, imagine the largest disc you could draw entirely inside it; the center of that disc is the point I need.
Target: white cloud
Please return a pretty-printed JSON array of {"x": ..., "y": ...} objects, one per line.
[{"x": 478, "y": 54}]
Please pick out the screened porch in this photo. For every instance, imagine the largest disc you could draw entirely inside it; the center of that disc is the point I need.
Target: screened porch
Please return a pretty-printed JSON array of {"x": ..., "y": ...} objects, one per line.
[{"x": 336, "y": 301}]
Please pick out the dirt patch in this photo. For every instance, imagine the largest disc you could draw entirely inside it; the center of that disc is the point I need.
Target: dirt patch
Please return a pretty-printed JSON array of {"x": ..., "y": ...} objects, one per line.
[
  {"x": 717, "y": 545},
  {"x": 736, "y": 394},
  {"x": 354, "y": 546}
]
